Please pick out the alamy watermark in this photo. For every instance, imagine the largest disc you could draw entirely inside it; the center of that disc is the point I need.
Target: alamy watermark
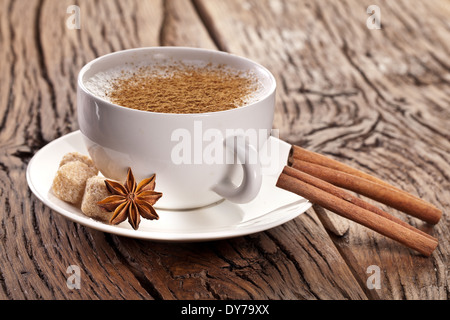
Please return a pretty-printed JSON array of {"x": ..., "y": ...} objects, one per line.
[
  {"x": 374, "y": 21},
  {"x": 74, "y": 20},
  {"x": 214, "y": 146},
  {"x": 374, "y": 280},
  {"x": 74, "y": 279}
]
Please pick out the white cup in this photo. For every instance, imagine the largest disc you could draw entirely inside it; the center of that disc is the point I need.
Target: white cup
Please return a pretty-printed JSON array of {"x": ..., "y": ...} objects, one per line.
[{"x": 118, "y": 138}]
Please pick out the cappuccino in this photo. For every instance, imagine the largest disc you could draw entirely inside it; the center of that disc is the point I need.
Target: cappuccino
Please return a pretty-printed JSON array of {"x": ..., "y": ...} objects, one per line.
[{"x": 177, "y": 87}]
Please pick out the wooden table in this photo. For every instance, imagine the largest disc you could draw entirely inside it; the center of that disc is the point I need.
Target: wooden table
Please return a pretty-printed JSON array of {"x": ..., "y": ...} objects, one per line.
[{"x": 375, "y": 99}]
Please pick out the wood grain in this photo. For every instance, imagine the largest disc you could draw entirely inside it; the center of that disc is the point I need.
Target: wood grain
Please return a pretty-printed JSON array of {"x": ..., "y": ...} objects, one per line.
[
  {"x": 38, "y": 245},
  {"x": 375, "y": 99}
]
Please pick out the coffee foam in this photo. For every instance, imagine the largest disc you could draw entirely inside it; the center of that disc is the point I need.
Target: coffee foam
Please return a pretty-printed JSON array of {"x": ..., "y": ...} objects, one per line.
[{"x": 102, "y": 82}]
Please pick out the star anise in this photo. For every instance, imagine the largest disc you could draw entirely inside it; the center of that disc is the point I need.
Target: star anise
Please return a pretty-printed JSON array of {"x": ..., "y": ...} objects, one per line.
[{"x": 131, "y": 200}]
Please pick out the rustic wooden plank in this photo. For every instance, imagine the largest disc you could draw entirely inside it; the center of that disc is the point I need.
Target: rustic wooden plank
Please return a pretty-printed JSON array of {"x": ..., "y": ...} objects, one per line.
[
  {"x": 232, "y": 269},
  {"x": 316, "y": 104},
  {"x": 294, "y": 261},
  {"x": 39, "y": 61},
  {"x": 182, "y": 26},
  {"x": 405, "y": 77},
  {"x": 101, "y": 33},
  {"x": 375, "y": 99}
]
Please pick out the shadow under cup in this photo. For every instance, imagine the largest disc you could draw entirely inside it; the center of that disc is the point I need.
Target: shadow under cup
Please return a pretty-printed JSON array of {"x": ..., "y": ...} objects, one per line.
[{"x": 181, "y": 149}]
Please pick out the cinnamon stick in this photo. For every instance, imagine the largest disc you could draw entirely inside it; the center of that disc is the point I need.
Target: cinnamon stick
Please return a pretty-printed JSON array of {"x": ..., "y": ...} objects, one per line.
[
  {"x": 298, "y": 153},
  {"x": 328, "y": 187},
  {"x": 293, "y": 181},
  {"x": 317, "y": 158},
  {"x": 380, "y": 192}
]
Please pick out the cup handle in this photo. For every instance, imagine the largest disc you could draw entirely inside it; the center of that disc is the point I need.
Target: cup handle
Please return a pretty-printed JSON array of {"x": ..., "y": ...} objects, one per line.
[{"x": 252, "y": 180}]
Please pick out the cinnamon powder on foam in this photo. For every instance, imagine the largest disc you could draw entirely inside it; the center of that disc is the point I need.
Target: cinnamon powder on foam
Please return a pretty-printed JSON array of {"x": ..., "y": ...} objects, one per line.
[{"x": 183, "y": 89}]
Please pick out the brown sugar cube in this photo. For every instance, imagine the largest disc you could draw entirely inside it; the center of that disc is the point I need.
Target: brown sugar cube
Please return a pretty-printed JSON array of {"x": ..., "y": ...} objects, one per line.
[
  {"x": 75, "y": 156},
  {"x": 70, "y": 181},
  {"x": 95, "y": 191}
]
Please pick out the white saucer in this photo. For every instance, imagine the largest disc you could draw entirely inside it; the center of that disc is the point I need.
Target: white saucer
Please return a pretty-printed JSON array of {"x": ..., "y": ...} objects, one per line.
[{"x": 272, "y": 207}]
